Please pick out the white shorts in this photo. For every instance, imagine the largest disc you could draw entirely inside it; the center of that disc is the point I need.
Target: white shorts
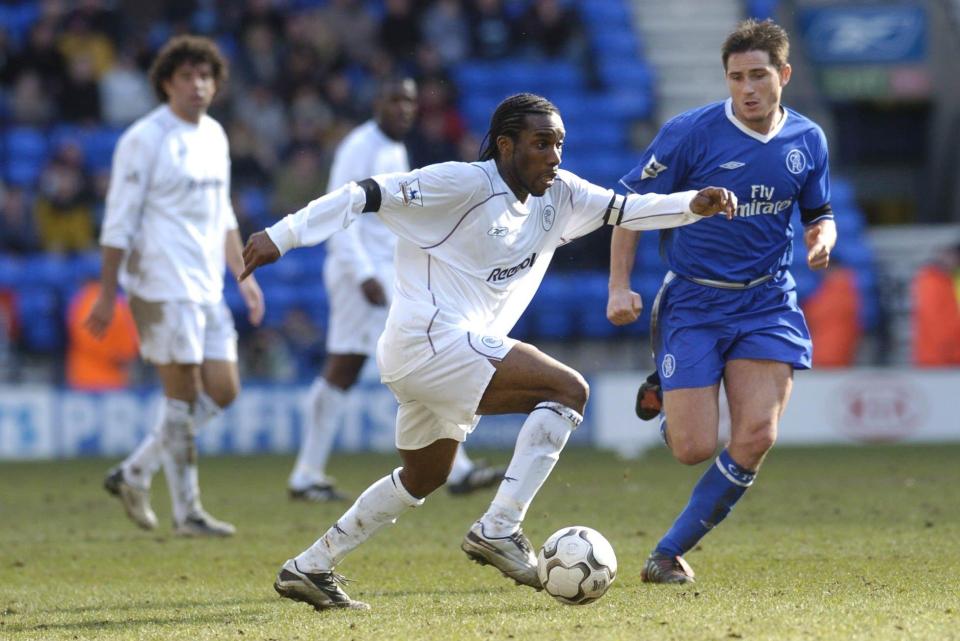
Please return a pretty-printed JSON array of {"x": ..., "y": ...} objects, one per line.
[
  {"x": 354, "y": 324},
  {"x": 183, "y": 332},
  {"x": 439, "y": 399}
]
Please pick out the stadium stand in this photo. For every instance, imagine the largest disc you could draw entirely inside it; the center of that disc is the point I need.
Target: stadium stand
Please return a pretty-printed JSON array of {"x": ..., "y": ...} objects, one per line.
[{"x": 615, "y": 81}]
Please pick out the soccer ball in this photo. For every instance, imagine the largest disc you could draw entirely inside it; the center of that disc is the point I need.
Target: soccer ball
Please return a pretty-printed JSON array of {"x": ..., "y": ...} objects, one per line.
[{"x": 576, "y": 565}]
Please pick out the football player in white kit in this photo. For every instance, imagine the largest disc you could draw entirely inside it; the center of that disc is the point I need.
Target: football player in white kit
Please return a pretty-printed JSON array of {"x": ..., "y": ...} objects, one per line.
[
  {"x": 474, "y": 242},
  {"x": 358, "y": 277},
  {"x": 168, "y": 229}
]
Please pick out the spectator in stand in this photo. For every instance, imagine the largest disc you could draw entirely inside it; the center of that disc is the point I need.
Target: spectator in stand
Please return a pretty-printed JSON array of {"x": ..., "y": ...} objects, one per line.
[
  {"x": 251, "y": 165},
  {"x": 833, "y": 317},
  {"x": 64, "y": 204},
  {"x": 552, "y": 29},
  {"x": 490, "y": 29},
  {"x": 354, "y": 26},
  {"x": 94, "y": 364},
  {"x": 83, "y": 92},
  {"x": 18, "y": 233},
  {"x": 125, "y": 92},
  {"x": 936, "y": 311},
  {"x": 295, "y": 184},
  {"x": 260, "y": 110},
  {"x": 30, "y": 104},
  {"x": 82, "y": 38},
  {"x": 399, "y": 32},
  {"x": 445, "y": 27},
  {"x": 40, "y": 58},
  {"x": 260, "y": 58}
]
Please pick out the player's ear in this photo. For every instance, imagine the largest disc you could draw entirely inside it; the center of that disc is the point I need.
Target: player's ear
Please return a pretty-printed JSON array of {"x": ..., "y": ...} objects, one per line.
[
  {"x": 505, "y": 146},
  {"x": 785, "y": 72}
]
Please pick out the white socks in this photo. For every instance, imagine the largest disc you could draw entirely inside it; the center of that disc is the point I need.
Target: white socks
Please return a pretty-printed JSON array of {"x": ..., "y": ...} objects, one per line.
[
  {"x": 325, "y": 409},
  {"x": 179, "y": 456},
  {"x": 379, "y": 505},
  {"x": 539, "y": 443},
  {"x": 143, "y": 463},
  {"x": 462, "y": 466},
  {"x": 140, "y": 467}
]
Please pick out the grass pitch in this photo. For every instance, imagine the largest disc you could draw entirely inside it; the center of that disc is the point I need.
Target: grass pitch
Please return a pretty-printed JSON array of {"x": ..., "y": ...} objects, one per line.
[{"x": 843, "y": 543}]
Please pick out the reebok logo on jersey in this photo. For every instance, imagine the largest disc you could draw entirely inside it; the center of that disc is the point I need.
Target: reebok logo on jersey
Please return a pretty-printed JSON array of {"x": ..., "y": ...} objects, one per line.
[
  {"x": 503, "y": 273},
  {"x": 733, "y": 164},
  {"x": 498, "y": 232},
  {"x": 411, "y": 194},
  {"x": 653, "y": 169}
]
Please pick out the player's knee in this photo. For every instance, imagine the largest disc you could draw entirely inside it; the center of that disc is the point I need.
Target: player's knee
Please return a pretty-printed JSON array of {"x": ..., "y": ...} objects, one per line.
[
  {"x": 223, "y": 395},
  {"x": 575, "y": 391},
  {"x": 422, "y": 481},
  {"x": 759, "y": 441},
  {"x": 692, "y": 452}
]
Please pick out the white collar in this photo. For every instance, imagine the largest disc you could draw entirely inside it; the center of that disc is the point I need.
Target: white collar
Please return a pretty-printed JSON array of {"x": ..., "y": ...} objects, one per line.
[{"x": 764, "y": 138}]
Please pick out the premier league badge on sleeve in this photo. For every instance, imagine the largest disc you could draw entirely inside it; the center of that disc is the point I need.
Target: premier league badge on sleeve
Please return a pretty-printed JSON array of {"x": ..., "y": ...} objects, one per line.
[
  {"x": 411, "y": 194},
  {"x": 653, "y": 168}
]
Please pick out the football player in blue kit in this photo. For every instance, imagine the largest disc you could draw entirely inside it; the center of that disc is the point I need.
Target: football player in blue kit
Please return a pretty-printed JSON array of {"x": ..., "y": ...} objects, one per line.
[{"x": 727, "y": 309}]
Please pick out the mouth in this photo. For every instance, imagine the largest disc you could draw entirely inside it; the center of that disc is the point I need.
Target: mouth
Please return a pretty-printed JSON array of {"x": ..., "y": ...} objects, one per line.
[
  {"x": 751, "y": 104},
  {"x": 550, "y": 177}
]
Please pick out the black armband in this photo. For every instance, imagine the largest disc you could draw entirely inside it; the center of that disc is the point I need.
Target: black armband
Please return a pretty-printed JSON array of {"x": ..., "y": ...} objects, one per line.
[
  {"x": 372, "y": 190},
  {"x": 808, "y": 216}
]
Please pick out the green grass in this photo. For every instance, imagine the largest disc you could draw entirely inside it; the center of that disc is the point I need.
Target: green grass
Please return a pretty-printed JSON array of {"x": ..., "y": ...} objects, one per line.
[{"x": 843, "y": 543}]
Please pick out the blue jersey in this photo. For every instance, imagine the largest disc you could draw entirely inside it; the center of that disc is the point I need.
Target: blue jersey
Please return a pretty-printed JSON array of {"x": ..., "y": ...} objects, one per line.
[{"x": 770, "y": 174}]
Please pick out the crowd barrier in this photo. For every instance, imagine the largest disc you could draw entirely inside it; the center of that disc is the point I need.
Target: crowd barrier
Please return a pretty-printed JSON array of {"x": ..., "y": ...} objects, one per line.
[{"x": 843, "y": 407}]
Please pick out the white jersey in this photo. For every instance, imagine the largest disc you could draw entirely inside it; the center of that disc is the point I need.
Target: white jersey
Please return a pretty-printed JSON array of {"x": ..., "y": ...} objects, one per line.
[
  {"x": 364, "y": 249},
  {"x": 470, "y": 255},
  {"x": 169, "y": 208}
]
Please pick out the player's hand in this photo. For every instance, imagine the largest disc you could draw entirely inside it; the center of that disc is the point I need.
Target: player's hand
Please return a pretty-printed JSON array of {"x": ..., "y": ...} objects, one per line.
[
  {"x": 819, "y": 239},
  {"x": 714, "y": 200},
  {"x": 258, "y": 251},
  {"x": 100, "y": 315},
  {"x": 253, "y": 299},
  {"x": 623, "y": 306},
  {"x": 373, "y": 292}
]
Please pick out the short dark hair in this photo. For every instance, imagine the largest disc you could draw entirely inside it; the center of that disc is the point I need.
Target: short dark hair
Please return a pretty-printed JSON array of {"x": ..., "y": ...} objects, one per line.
[
  {"x": 509, "y": 119},
  {"x": 186, "y": 49},
  {"x": 752, "y": 35}
]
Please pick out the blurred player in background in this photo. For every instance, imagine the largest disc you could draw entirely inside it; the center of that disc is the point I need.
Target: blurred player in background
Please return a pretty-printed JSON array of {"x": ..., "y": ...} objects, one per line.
[
  {"x": 474, "y": 242},
  {"x": 727, "y": 309},
  {"x": 358, "y": 276},
  {"x": 168, "y": 229}
]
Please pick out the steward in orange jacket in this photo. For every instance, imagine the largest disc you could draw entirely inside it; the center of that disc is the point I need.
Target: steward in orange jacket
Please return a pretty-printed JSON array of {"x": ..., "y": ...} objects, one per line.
[
  {"x": 103, "y": 364},
  {"x": 936, "y": 311}
]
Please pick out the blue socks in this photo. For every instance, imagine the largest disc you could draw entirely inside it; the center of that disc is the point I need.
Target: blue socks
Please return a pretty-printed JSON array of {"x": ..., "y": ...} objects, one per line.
[{"x": 715, "y": 494}]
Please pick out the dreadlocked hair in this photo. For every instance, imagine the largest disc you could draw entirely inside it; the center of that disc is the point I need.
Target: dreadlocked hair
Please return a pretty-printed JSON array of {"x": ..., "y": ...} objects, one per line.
[{"x": 509, "y": 119}]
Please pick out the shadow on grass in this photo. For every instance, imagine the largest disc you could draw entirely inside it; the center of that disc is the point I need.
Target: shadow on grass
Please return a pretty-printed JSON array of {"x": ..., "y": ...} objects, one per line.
[
  {"x": 152, "y": 605},
  {"x": 187, "y": 618}
]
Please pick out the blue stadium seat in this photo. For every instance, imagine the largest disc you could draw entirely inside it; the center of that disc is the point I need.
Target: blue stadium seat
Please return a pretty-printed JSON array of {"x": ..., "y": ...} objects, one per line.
[
  {"x": 42, "y": 327},
  {"x": 98, "y": 145},
  {"x": 26, "y": 154},
  {"x": 11, "y": 271},
  {"x": 552, "y": 312}
]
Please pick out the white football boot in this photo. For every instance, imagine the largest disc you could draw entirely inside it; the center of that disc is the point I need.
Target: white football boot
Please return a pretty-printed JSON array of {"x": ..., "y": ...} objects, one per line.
[
  {"x": 512, "y": 555},
  {"x": 136, "y": 502}
]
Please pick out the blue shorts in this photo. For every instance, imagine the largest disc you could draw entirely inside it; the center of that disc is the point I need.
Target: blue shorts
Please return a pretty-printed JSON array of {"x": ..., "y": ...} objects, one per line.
[{"x": 697, "y": 329}]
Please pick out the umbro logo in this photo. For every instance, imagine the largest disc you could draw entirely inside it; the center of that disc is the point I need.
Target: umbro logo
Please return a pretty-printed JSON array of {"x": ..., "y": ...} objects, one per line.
[{"x": 733, "y": 164}]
